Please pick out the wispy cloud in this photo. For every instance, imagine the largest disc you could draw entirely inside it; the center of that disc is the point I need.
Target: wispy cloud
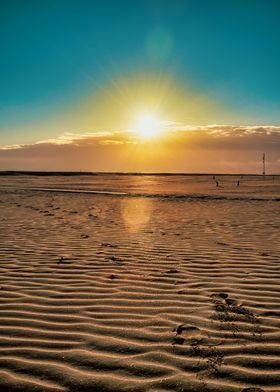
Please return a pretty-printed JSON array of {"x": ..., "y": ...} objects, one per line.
[
  {"x": 226, "y": 130},
  {"x": 72, "y": 138},
  {"x": 183, "y": 130},
  {"x": 63, "y": 139},
  {"x": 182, "y": 147},
  {"x": 12, "y": 146}
]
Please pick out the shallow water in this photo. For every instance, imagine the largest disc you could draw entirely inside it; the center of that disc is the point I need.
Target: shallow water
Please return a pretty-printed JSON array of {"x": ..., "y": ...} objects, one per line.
[{"x": 200, "y": 186}]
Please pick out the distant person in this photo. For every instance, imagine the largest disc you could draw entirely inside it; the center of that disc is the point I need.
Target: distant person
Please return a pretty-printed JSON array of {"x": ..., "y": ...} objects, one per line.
[
  {"x": 217, "y": 184},
  {"x": 238, "y": 183}
]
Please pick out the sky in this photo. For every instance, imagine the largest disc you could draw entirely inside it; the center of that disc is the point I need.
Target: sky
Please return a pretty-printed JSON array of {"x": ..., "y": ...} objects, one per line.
[{"x": 140, "y": 85}]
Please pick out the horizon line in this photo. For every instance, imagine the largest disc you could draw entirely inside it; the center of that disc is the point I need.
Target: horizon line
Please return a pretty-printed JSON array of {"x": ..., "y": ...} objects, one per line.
[{"x": 80, "y": 172}]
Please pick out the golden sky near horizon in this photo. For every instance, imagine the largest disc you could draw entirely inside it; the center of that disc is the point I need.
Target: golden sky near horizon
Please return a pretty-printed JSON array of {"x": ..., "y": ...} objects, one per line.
[{"x": 145, "y": 123}]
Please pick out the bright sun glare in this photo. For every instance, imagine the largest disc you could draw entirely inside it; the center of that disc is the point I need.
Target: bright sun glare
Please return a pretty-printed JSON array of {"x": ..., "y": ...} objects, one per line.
[{"x": 148, "y": 126}]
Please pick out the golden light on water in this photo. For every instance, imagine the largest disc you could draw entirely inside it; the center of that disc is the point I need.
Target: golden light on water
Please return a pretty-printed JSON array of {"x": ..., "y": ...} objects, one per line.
[{"x": 136, "y": 214}]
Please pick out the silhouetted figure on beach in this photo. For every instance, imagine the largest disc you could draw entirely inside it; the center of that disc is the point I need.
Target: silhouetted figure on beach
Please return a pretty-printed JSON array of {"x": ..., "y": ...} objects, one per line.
[
  {"x": 238, "y": 183},
  {"x": 217, "y": 184}
]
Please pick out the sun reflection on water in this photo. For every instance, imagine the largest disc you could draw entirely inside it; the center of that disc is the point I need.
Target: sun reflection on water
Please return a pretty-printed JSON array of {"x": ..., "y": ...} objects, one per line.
[{"x": 136, "y": 213}]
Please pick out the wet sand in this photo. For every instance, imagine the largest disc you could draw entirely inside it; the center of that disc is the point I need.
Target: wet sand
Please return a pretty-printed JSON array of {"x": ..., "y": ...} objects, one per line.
[{"x": 116, "y": 293}]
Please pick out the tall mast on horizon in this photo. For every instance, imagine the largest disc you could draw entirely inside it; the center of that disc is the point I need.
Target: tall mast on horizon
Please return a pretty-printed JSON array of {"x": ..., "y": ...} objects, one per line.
[{"x": 263, "y": 164}]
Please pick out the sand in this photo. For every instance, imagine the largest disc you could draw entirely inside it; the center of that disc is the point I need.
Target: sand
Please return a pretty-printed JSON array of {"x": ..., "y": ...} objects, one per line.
[{"x": 120, "y": 293}]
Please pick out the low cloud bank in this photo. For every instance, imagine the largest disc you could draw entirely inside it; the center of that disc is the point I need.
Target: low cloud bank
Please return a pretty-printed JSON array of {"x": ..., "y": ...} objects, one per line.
[{"x": 182, "y": 148}]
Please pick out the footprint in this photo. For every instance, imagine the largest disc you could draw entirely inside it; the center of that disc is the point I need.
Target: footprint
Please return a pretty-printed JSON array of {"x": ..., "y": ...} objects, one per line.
[
  {"x": 219, "y": 295},
  {"x": 188, "y": 330},
  {"x": 179, "y": 329},
  {"x": 230, "y": 301},
  {"x": 223, "y": 295},
  {"x": 211, "y": 354},
  {"x": 178, "y": 340},
  {"x": 172, "y": 271}
]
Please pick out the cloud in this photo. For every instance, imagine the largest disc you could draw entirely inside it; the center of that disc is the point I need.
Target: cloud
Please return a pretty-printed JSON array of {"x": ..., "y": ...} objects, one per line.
[
  {"x": 183, "y": 131},
  {"x": 12, "y": 147},
  {"x": 182, "y": 147},
  {"x": 229, "y": 130},
  {"x": 65, "y": 138},
  {"x": 229, "y": 136}
]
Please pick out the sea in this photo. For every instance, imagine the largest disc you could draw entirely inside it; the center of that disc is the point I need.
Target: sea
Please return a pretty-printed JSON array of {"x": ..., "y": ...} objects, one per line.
[{"x": 189, "y": 186}]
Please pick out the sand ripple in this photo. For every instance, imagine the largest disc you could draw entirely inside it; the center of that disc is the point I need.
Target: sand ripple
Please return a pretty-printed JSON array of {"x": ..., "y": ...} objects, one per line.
[{"x": 104, "y": 293}]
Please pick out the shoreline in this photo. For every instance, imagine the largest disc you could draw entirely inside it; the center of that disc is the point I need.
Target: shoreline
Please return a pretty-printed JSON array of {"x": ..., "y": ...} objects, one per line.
[
  {"x": 86, "y": 173},
  {"x": 186, "y": 197}
]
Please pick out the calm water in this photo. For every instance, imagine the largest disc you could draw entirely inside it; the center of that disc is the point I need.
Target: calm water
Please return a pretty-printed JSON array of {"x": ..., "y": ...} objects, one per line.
[{"x": 154, "y": 185}]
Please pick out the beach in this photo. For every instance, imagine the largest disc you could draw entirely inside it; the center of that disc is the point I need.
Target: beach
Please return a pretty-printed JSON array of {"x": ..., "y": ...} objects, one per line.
[{"x": 139, "y": 283}]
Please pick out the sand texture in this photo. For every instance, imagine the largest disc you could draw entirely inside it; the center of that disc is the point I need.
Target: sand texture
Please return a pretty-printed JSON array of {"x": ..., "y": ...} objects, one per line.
[{"x": 117, "y": 293}]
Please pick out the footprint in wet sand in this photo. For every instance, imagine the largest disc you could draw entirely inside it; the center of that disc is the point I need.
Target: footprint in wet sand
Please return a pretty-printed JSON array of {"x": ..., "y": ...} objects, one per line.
[
  {"x": 209, "y": 353},
  {"x": 229, "y": 312},
  {"x": 178, "y": 340}
]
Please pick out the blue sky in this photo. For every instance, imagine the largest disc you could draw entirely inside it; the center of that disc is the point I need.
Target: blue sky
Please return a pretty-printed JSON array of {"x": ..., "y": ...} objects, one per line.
[{"x": 55, "y": 53}]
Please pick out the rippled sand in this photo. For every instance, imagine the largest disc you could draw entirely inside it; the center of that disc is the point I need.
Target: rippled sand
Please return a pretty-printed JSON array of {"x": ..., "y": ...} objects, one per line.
[{"x": 116, "y": 293}]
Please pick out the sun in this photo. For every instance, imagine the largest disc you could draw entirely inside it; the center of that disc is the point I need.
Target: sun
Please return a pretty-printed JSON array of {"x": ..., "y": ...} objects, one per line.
[{"x": 148, "y": 126}]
